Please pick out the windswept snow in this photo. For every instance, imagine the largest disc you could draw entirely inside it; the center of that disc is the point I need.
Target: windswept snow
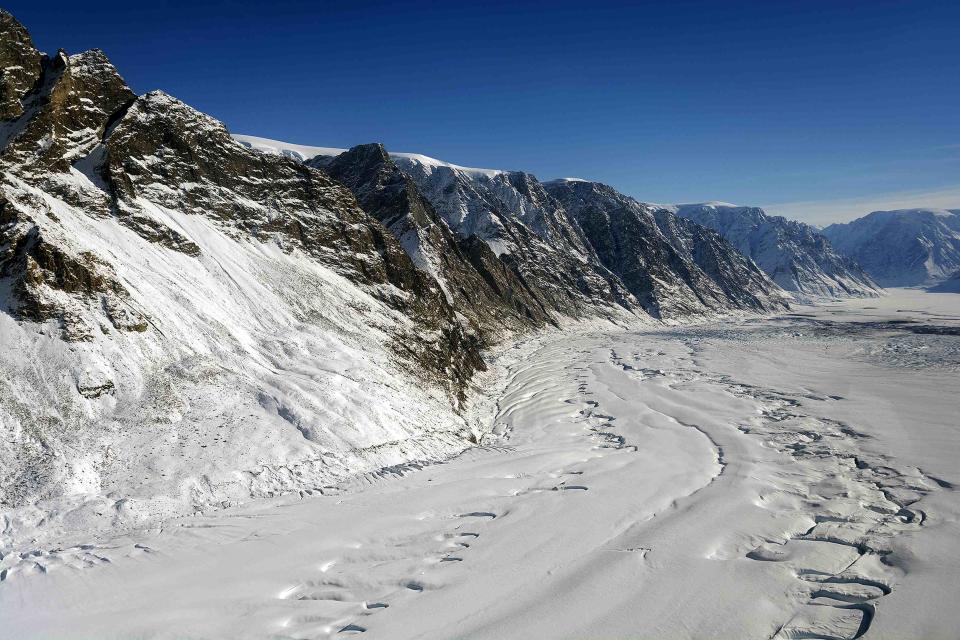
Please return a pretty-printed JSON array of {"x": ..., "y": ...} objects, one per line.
[{"x": 296, "y": 151}]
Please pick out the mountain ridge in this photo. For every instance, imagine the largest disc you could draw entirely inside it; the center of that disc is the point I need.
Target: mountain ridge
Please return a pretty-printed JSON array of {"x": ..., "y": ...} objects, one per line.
[
  {"x": 795, "y": 255},
  {"x": 903, "y": 247}
]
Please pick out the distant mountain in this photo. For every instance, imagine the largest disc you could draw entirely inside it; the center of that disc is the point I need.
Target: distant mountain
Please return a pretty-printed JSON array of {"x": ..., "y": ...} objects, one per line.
[
  {"x": 795, "y": 255},
  {"x": 673, "y": 266},
  {"x": 903, "y": 247}
]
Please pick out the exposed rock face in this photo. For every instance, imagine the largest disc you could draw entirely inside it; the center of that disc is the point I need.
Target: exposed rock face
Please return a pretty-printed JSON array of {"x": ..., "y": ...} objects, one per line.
[
  {"x": 20, "y": 66},
  {"x": 526, "y": 228},
  {"x": 904, "y": 247},
  {"x": 473, "y": 280},
  {"x": 65, "y": 117},
  {"x": 674, "y": 267},
  {"x": 795, "y": 255},
  {"x": 48, "y": 281}
]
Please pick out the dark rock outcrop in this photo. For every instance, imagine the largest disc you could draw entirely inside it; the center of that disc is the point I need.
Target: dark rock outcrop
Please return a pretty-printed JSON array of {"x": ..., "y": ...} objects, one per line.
[
  {"x": 473, "y": 280},
  {"x": 20, "y": 66}
]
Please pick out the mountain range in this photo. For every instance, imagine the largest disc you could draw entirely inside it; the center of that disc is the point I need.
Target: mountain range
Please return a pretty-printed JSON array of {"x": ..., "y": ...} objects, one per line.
[
  {"x": 795, "y": 255},
  {"x": 904, "y": 247}
]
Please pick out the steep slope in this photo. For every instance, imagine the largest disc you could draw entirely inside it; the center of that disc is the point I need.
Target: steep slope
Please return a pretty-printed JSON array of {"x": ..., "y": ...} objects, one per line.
[
  {"x": 474, "y": 282},
  {"x": 186, "y": 322},
  {"x": 674, "y": 267},
  {"x": 903, "y": 247},
  {"x": 679, "y": 272},
  {"x": 511, "y": 213},
  {"x": 508, "y": 216},
  {"x": 795, "y": 255}
]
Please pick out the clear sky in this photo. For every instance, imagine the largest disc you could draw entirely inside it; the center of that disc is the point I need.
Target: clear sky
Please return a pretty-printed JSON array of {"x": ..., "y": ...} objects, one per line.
[{"x": 821, "y": 110}]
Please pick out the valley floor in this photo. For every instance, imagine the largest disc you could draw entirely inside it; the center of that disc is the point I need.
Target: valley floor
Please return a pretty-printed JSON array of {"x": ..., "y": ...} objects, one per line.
[{"x": 789, "y": 477}]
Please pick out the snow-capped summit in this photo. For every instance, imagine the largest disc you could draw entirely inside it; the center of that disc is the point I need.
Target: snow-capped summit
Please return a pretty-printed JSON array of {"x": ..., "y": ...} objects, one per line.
[
  {"x": 902, "y": 247},
  {"x": 795, "y": 255}
]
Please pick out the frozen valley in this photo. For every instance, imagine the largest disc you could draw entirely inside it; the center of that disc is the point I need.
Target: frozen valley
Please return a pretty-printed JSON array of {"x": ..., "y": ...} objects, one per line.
[{"x": 783, "y": 477}]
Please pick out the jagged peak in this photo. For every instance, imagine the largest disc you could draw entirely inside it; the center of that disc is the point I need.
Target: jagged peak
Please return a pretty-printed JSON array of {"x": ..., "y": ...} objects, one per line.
[
  {"x": 158, "y": 103},
  {"x": 90, "y": 58},
  {"x": 369, "y": 151},
  {"x": 9, "y": 23}
]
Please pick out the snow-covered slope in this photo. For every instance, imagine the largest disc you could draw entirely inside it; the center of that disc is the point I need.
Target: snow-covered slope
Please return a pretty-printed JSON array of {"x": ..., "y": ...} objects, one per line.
[
  {"x": 903, "y": 247},
  {"x": 187, "y": 322},
  {"x": 795, "y": 255},
  {"x": 950, "y": 285}
]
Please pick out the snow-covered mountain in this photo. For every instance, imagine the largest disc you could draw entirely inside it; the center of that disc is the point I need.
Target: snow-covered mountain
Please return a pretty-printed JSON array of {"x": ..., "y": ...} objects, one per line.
[
  {"x": 471, "y": 276},
  {"x": 903, "y": 247},
  {"x": 541, "y": 235},
  {"x": 522, "y": 218},
  {"x": 186, "y": 321},
  {"x": 510, "y": 215},
  {"x": 795, "y": 255}
]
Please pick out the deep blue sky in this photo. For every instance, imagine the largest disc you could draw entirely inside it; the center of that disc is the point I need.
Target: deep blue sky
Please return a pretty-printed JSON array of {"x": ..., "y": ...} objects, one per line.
[{"x": 749, "y": 102}]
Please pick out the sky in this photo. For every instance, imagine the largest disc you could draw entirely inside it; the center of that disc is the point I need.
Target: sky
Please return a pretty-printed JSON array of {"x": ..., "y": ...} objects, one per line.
[{"x": 817, "y": 110}]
